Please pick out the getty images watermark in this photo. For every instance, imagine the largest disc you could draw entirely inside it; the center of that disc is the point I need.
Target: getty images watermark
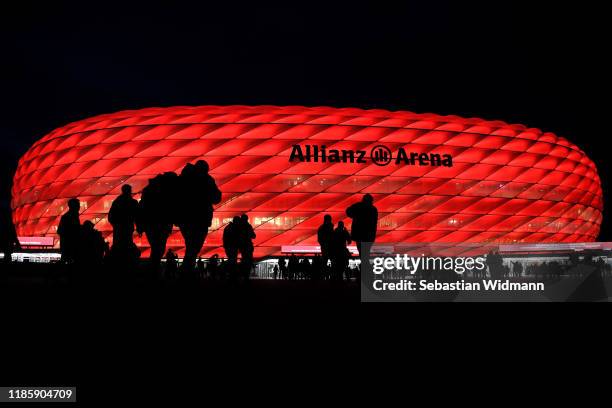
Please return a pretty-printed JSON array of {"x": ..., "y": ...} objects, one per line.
[
  {"x": 435, "y": 265},
  {"x": 413, "y": 272}
]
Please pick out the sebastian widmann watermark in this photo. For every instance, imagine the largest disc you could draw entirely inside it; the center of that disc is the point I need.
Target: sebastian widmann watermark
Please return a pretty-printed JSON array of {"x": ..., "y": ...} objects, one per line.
[{"x": 427, "y": 273}]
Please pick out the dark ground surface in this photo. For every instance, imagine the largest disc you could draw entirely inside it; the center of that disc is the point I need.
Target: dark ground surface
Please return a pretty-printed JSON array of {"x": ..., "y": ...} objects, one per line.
[
  {"x": 129, "y": 340},
  {"x": 109, "y": 330}
]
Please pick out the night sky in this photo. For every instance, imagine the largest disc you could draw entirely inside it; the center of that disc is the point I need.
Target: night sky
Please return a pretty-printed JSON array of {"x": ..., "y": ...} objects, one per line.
[{"x": 544, "y": 66}]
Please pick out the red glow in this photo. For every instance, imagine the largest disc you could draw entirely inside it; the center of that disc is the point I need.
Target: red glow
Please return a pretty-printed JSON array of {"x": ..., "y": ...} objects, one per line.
[{"x": 507, "y": 184}]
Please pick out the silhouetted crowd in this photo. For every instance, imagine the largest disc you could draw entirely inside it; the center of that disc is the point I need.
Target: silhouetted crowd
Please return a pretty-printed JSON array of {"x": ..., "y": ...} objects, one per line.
[
  {"x": 186, "y": 201},
  {"x": 238, "y": 237},
  {"x": 574, "y": 267},
  {"x": 294, "y": 268}
]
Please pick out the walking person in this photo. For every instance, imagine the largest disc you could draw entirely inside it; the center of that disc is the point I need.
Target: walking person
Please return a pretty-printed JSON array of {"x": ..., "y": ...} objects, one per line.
[
  {"x": 8, "y": 238},
  {"x": 200, "y": 193},
  {"x": 363, "y": 231},
  {"x": 324, "y": 236},
  {"x": 231, "y": 237},
  {"x": 91, "y": 252},
  {"x": 69, "y": 231},
  {"x": 340, "y": 253},
  {"x": 171, "y": 264},
  {"x": 246, "y": 248},
  {"x": 122, "y": 216},
  {"x": 156, "y": 212}
]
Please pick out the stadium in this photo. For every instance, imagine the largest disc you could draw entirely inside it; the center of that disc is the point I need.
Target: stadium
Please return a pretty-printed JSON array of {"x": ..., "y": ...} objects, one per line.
[{"x": 434, "y": 179}]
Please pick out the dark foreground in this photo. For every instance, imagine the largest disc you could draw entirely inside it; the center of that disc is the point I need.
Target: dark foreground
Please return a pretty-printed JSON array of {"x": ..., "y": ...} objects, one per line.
[{"x": 76, "y": 332}]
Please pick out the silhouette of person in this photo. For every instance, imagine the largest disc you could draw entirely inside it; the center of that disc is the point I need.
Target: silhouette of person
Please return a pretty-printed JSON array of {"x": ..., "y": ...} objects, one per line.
[
  {"x": 213, "y": 267},
  {"x": 245, "y": 245},
  {"x": 156, "y": 210},
  {"x": 490, "y": 261},
  {"x": 292, "y": 267},
  {"x": 231, "y": 234},
  {"x": 495, "y": 263},
  {"x": 200, "y": 268},
  {"x": 171, "y": 264},
  {"x": 69, "y": 231},
  {"x": 363, "y": 230},
  {"x": 91, "y": 246},
  {"x": 317, "y": 267},
  {"x": 122, "y": 216},
  {"x": 324, "y": 236},
  {"x": 340, "y": 253},
  {"x": 519, "y": 270},
  {"x": 283, "y": 267},
  {"x": 8, "y": 239},
  {"x": 200, "y": 192},
  {"x": 304, "y": 269}
]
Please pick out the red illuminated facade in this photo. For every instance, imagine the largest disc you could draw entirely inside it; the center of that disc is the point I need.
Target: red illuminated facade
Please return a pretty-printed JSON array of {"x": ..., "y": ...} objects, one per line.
[{"x": 507, "y": 183}]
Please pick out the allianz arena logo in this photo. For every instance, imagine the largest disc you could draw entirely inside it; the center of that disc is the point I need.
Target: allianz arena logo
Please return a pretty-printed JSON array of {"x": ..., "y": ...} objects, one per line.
[{"x": 379, "y": 155}]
